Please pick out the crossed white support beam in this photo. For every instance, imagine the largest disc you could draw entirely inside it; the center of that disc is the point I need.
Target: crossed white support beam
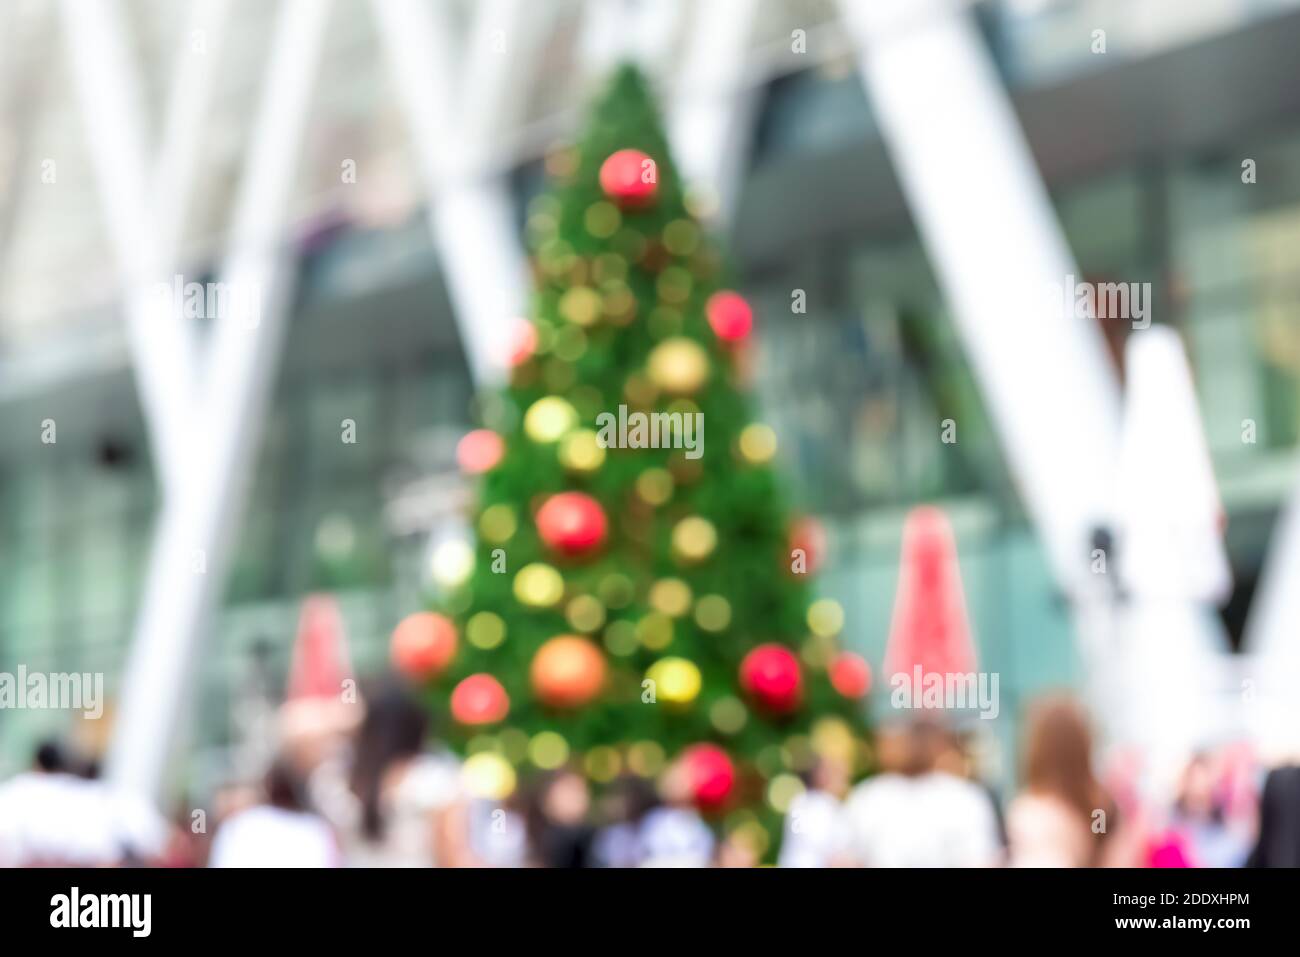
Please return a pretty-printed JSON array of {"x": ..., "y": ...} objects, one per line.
[
  {"x": 200, "y": 513},
  {"x": 469, "y": 213},
  {"x": 144, "y": 203},
  {"x": 985, "y": 218}
]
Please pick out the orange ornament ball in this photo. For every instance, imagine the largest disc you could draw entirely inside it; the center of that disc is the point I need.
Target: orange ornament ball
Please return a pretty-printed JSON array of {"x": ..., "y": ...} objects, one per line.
[
  {"x": 567, "y": 672},
  {"x": 850, "y": 675},
  {"x": 423, "y": 644},
  {"x": 479, "y": 699}
]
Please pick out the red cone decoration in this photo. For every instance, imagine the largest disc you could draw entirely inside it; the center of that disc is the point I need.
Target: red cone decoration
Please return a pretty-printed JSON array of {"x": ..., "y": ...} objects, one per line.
[
  {"x": 320, "y": 662},
  {"x": 479, "y": 451},
  {"x": 770, "y": 674},
  {"x": 930, "y": 629},
  {"x": 711, "y": 775},
  {"x": 572, "y": 523},
  {"x": 729, "y": 316},
  {"x": 479, "y": 699},
  {"x": 423, "y": 645},
  {"x": 850, "y": 675},
  {"x": 629, "y": 178}
]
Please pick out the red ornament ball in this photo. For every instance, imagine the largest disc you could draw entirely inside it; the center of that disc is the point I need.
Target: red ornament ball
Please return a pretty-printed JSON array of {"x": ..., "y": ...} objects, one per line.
[
  {"x": 479, "y": 451},
  {"x": 630, "y": 178},
  {"x": 567, "y": 672},
  {"x": 423, "y": 645},
  {"x": 479, "y": 699},
  {"x": 729, "y": 316},
  {"x": 710, "y": 775},
  {"x": 572, "y": 523},
  {"x": 770, "y": 673},
  {"x": 850, "y": 675}
]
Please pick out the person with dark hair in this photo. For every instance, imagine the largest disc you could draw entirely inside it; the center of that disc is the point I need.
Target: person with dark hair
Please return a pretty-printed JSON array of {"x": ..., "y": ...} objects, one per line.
[
  {"x": 618, "y": 841},
  {"x": 1278, "y": 844},
  {"x": 401, "y": 803},
  {"x": 280, "y": 832},
  {"x": 558, "y": 833},
  {"x": 1199, "y": 817}
]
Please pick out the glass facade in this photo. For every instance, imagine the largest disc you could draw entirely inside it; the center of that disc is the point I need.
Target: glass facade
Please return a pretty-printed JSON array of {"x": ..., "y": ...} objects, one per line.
[{"x": 859, "y": 368}]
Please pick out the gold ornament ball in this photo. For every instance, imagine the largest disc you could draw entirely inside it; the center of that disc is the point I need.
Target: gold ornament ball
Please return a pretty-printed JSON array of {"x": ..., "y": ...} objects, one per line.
[
  {"x": 713, "y": 613},
  {"x": 694, "y": 539},
  {"x": 646, "y": 758},
  {"x": 581, "y": 451},
  {"x": 678, "y": 365},
  {"x": 538, "y": 585},
  {"x": 585, "y": 613},
  {"x": 728, "y": 714},
  {"x": 677, "y": 681},
  {"x": 549, "y": 419},
  {"x": 602, "y": 764},
  {"x": 654, "y": 486},
  {"x": 757, "y": 443},
  {"x": 581, "y": 305},
  {"x": 671, "y": 597},
  {"x": 655, "y": 631}
]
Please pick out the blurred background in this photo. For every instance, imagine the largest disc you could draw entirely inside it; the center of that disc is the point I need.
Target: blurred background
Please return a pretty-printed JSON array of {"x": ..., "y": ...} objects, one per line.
[{"x": 1139, "y": 148}]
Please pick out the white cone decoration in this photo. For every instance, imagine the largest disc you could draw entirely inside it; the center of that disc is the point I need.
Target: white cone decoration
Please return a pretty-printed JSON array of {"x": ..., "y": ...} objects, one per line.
[
  {"x": 1271, "y": 672},
  {"x": 1171, "y": 562}
]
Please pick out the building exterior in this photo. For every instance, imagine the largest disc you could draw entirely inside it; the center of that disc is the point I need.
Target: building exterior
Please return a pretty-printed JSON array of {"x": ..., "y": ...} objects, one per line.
[{"x": 1141, "y": 146}]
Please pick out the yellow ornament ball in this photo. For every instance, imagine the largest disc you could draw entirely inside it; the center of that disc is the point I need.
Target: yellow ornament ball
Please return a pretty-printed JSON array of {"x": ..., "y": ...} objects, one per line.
[
  {"x": 488, "y": 775},
  {"x": 581, "y": 451},
  {"x": 581, "y": 305},
  {"x": 538, "y": 585},
  {"x": 677, "y": 681},
  {"x": 694, "y": 539},
  {"x": 825, "y": 618},
  {"x": 671, "y": 597},
  {"x": 678, "y": 365},
  {"x": 549, "y": 419},
  {"x": 757, "y": 443}
]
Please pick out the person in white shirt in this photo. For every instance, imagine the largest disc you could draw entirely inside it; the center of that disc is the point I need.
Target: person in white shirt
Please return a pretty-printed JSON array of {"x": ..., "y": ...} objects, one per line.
[
  {"x": 818, "y": 831},
  {"x": 917, "y": 816},
  {"x": 278, "y": 833}
]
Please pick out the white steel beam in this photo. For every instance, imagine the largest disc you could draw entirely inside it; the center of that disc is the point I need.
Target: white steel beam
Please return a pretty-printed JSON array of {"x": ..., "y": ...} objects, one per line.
[
  {"x": 191, "y": 548},
  {"x": 713, "y": 113},
  {"x": 988, "y": 225},
  {"x": 470, "y": 218},
  {"x": 144, "y": 203}
]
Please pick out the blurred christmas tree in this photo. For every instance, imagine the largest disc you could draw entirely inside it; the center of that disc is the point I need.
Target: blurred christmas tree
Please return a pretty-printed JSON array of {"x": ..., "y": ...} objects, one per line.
[{"x": 633, "y": 607}]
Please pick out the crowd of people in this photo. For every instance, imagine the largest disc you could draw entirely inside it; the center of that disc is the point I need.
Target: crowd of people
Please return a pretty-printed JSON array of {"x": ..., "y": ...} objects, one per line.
[{"x": 379, "y": 791}]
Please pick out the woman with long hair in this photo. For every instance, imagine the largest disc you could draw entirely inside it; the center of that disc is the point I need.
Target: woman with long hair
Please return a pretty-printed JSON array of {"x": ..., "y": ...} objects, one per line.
[{"x": 1063, "y": 817}]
